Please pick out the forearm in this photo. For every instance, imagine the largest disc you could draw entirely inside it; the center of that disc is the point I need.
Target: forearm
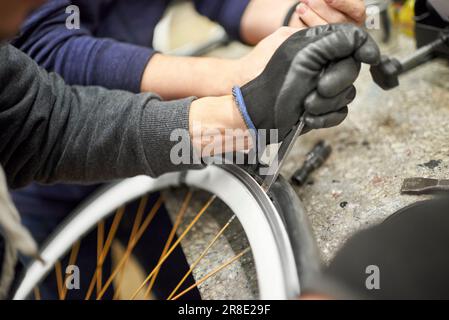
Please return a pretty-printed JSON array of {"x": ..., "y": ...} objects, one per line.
[
  {"x": 78, "y": 55},
  {"x": 263, "y": 17},
  {"x": 51, "y": 132},
  {"x": 177, "y": 77},
  {"x": 82, "y": 59}
]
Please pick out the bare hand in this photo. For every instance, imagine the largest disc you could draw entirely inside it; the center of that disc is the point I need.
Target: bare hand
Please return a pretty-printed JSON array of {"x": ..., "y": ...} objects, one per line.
[
  {"x": 321, "y": 12},
  {"x": 251, "y": 65}
]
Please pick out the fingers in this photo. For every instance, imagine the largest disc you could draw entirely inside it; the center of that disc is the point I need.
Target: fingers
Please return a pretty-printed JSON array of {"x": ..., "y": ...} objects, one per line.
[
  {"x": 308, "y": 64},
  {"x": 344, "y": 40},
  {"x": 366, "y": 49},
  {"x": 355, "y": 9},
  {"x": 338, "y": 76},
  {"x": 308, "y": 16},
  {"x": 317, "y": 105},
  {"x": 326, "y": 12},
  {"x": 327, "y": 120},
  {"x": 369, "y": 52}
]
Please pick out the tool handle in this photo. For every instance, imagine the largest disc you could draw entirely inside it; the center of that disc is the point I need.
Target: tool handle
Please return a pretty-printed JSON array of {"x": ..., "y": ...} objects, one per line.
[
  {"x": 386, "y": 74},
  {"x": 423, "y": 54}
]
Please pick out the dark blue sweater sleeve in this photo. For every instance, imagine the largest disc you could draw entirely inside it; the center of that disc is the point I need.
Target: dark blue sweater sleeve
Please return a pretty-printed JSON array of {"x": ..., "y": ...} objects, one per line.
[
  {"x": 228, "y": 13},
  {"x": 78, "y": 56}
]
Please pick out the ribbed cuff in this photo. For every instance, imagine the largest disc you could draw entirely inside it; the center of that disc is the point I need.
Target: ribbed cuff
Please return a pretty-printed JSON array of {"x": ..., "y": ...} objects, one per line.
[
  {"x": 125, "y": 65},
  {"x": 166, "y": 139}
]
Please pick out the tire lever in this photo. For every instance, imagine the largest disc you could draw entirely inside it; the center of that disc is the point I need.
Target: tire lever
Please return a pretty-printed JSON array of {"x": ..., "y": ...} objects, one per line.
[{"x": 286, "y": 146}]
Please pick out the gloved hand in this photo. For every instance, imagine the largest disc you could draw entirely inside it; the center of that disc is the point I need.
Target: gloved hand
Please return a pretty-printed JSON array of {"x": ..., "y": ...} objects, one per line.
[{"x": 311, "y": 74}]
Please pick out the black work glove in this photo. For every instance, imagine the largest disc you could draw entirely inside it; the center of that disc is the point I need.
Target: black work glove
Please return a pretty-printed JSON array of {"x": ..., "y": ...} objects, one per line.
[{"x": 311, "y": 74}]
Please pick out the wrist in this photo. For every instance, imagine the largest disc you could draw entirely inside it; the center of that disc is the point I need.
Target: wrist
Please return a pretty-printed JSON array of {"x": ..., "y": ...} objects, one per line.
[
  {"x": 232, "y": 74},
  {"x": 178, "y": 77},
  {"x": 151, "y": 73},
  {"x": 213, "y": 119}
]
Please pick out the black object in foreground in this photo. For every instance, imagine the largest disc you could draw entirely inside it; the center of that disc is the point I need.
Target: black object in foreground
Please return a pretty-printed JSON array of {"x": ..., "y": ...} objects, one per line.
[
  {"x": 315, "y": 159},
  {"x": 405, "y": 257}
]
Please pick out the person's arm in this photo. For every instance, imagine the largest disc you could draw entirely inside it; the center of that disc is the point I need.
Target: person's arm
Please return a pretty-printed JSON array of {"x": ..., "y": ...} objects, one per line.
[
  {"x": 254, "y": 22},
  {"x": 78, "y": 56},
  {"x": 262, "y": 17},
  {"x": 83, "y": 59},
  {"x": 227, "y": 13},
  {"x": 52, "y": 132},
  {"x": 175, "y": 77}
]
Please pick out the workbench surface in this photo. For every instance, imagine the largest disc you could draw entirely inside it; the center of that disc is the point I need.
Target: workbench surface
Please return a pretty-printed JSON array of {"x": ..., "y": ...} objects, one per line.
[{"x": 388, "y": 136}]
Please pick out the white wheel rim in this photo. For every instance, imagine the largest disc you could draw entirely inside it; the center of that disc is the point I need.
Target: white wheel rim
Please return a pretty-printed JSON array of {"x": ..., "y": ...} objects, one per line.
[{"x": 273, "y": 256}]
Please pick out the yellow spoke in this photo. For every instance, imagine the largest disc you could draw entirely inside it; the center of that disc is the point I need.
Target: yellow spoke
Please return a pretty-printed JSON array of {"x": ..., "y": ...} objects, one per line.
[
  {"x": 212, "y": 273},
  {"x": 58, "y": 270},
  {"x": 189, "y": 227},
  {"x": 112, "y": 231},
  {"x": 137, "y": 221},
  {"x": 171, "y": 236},
  {"x": 37, "y": 293},
  {"x": 100, "y": 244},
  {"x": 197, "y": 261},
  {"x": 125, "y": 257}
]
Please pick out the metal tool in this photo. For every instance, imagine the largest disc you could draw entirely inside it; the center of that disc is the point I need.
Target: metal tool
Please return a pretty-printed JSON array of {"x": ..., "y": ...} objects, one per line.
[
  {"x": 314, "y": 159},
  {"x": 417, "y": 186},
  {"x": 386, "y": 74},
  {"x": 277, "y": 164}
]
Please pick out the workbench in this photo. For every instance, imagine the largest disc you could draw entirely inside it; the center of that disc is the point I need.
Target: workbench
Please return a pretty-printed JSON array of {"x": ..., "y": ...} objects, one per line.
[{"x": 388, "y": 136}]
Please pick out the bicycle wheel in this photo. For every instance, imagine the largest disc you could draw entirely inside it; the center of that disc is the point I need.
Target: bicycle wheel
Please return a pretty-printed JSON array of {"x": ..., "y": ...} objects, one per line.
[{"x": 281, "y": 249}]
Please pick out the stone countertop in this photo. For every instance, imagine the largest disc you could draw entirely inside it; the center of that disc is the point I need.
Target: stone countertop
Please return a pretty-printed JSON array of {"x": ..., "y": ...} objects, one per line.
[{"x": 388, "y": 136}]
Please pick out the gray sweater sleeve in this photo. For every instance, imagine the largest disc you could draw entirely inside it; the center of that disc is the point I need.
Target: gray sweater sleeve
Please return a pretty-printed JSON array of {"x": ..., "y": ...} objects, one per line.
[{"x": 51, "y": 132}]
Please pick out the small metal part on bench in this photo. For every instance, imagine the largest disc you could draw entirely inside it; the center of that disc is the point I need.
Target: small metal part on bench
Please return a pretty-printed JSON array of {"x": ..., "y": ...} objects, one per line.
[
  {"x": 418, "y": 186},
  {"x": 314, "y": 160}
]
